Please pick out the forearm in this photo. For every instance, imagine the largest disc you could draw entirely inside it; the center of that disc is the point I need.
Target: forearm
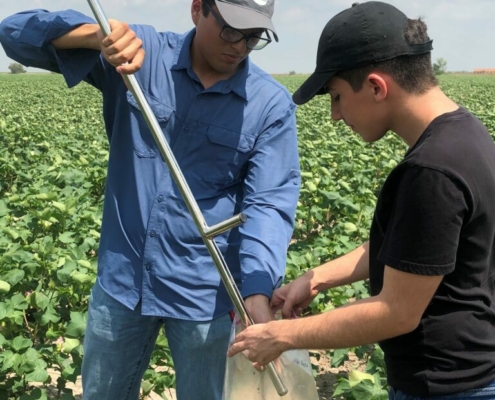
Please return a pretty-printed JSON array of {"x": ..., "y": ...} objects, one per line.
[
  {"x": 352, "y": 267},
  {"x": 82, "y": 37},
  {"x": 397, "y": 310},
  {"x": 27, "y": 38},
  {"x": 365, "y": 321}
]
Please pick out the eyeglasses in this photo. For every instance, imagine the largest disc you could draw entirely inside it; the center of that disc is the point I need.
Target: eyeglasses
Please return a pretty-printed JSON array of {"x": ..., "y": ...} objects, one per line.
[{"x": 254, "y": 41}]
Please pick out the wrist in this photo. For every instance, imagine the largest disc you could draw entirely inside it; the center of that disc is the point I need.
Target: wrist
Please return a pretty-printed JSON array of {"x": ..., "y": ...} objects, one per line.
[
  {"x": 282, "y": 331},
  {"x": 315, "y": 281},
  {"x": 83, "y": 37}
]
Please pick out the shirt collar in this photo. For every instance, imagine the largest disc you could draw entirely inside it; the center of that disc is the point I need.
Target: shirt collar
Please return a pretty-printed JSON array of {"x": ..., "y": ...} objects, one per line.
[{"x": 237, "y": 83}]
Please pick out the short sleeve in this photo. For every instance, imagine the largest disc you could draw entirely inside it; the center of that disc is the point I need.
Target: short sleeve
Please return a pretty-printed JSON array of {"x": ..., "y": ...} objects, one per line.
[{"x": 424, "y": 227}]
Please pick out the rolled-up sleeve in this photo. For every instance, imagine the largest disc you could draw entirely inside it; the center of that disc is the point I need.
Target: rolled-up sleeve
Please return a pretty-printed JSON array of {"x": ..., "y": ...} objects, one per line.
[
  {"x": 271, "y": 192},
  {"x": 26, "y": 38}
]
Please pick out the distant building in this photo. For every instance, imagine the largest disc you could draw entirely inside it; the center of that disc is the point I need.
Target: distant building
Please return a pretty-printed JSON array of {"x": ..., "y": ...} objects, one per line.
[{"x": 484, "y": 71}]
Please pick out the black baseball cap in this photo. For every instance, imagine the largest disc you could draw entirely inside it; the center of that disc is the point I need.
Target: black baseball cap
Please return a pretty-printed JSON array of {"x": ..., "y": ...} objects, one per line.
[
  {"x": 248, "y": 14},
  {"x": 364, "y": 34}
]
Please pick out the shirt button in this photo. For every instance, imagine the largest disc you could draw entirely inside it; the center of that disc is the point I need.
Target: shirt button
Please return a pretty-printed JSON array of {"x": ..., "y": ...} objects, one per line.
[
  {"x": 200, "y": 96},
  {"x": 186, "y": 129},
  {"x": 152, "y": 233},
  {"x": 160, "y": 198},
  {"x": 148, "y": 267}
]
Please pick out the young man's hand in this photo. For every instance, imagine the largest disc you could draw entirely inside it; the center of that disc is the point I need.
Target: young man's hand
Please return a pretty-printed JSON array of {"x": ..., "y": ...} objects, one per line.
[
  {"x": 295, "y": 296},
  {"x": 260, "y": 343},
  {"x": 122, "y": 48}
]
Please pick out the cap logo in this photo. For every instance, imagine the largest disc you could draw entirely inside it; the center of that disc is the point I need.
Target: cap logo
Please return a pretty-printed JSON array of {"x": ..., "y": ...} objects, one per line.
[{"x": 261, "y": 2}]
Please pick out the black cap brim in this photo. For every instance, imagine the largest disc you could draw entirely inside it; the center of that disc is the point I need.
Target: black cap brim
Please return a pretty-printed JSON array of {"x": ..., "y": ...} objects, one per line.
[{"x": 312, "y": 87}]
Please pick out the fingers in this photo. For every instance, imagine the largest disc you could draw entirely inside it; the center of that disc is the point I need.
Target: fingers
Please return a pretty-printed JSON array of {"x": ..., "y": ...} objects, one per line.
[
  {"x": 237, "y": 347},
  {"x": 122, "y": 48},
  {"x": 297, "y": 312},
  {"x": 134, "y": 65},
  {"x": 240, "y": 347},
  {"x": 258, "y": 367},
  {"x": 277, "y": 300},
  {"x": 287, "y": 310}
]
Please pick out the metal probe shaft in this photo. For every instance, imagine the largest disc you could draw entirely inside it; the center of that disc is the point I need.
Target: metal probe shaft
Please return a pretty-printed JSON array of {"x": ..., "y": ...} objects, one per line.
[{"x": 189, "y": 199}]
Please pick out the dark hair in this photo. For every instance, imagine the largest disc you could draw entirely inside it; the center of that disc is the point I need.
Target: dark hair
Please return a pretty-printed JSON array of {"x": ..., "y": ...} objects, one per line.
[
  {"x": 205, "y": 9},
  {"x": 413, "y": 73}
]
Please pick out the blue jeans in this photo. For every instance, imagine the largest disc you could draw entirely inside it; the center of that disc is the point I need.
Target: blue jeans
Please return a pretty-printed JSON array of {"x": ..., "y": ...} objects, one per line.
[
  {"x": 118, "y": 344},
  {"x": 486, "y": 393}
]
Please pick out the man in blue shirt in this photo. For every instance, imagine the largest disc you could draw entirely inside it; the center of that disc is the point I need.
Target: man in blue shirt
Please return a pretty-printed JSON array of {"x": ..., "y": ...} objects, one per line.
[{"x": 232, "y": 130}]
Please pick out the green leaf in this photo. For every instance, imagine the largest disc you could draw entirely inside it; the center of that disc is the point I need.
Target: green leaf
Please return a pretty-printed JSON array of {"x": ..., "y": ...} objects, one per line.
[
  {"x": 65, "y": 273},
  {"x": 70, "y": 370},
  {"x": 66, "y": 237},
  {"x": 47, "y": 316},
  {"x": 349, "y": 227},
  {"x": 378, "y": 358},
  {"x": 311, "y": 186},
  {"x": 14, "y": 276},
  {"x": 4, "y": 210},
  {"x": 77, "y": 325},
  {"x": 356, "y": 377},
  {"x": 42, "y": 300},
  {"x": 31, "y": 356},
  {"x": 53, "y": 334},
  {"x": 339, "y": 356},
  {"x": 11, "y": 232},
  {"x": 20, "y": 343},
  {"x": 94, "y": 233},
  {"x": 4, "y": 287},
  {"x": 70, "y": 344},
  {"x": 38, "y": 375},
  {"x": 366, "y": 390},
  {"x": 84, "y": 263},
  {"x": 19, "y": 302},
  {"x": 59, "y": 206},
  {"x": 81, "y": 278},
  {"x": 3, "y": 311},
  {"x": 146, "y": 386}
]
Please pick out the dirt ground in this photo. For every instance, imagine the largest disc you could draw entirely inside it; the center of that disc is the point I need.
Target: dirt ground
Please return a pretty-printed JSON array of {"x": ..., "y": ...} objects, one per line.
[{"x": 326, "y": 378}]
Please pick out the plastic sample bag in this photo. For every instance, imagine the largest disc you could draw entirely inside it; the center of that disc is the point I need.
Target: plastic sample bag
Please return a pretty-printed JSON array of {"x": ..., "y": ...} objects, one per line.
[{"x": 244, "y": 382}]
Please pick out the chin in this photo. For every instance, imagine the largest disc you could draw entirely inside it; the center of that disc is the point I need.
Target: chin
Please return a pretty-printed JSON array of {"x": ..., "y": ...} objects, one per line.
[
  {"x": 371, "y": 137},
  {"x": 226, "y": 68}
]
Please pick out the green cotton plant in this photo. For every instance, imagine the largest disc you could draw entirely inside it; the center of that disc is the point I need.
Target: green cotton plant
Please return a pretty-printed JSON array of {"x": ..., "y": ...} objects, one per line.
[
  {"x": 52, "y": 178},
  {"x": 50, "y": 215}
]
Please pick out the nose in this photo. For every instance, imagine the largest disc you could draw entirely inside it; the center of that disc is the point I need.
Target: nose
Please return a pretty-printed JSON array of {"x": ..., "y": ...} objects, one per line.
[
  {"x": 335, "y": 111},
  {"x": 240, "y": 47}
]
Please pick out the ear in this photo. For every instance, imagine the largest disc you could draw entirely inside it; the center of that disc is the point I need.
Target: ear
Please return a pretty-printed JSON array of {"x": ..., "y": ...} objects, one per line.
[
  {"x": 196, "y": 11},
  {"x": 378, "y": 86}
]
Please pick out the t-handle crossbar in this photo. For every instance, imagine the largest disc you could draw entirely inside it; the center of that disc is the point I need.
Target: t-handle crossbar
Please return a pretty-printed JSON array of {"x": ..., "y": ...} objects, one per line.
[{"x": 206, "y": 232}]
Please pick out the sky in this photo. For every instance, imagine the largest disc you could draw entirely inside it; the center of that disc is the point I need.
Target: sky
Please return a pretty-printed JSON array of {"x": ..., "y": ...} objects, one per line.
[{"x": 463, "y": 31}]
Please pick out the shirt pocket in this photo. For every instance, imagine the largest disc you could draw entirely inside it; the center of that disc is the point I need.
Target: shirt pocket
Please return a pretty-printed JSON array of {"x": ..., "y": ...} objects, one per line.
[
  {"x": 224, "y": 155},
  {"x": 142, "y": 138}
]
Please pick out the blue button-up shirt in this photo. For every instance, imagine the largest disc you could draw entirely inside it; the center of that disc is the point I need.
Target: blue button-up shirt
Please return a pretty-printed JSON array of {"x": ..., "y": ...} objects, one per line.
[{"x": 235, "y": 143}]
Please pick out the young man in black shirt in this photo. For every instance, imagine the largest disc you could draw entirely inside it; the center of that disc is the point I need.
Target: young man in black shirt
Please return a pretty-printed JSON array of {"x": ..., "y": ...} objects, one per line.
[{"x": 431, "y": 254}]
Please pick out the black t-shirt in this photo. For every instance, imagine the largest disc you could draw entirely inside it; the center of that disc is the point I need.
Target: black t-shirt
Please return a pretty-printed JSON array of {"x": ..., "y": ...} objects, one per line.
[{"x": 436, "y": 216}]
